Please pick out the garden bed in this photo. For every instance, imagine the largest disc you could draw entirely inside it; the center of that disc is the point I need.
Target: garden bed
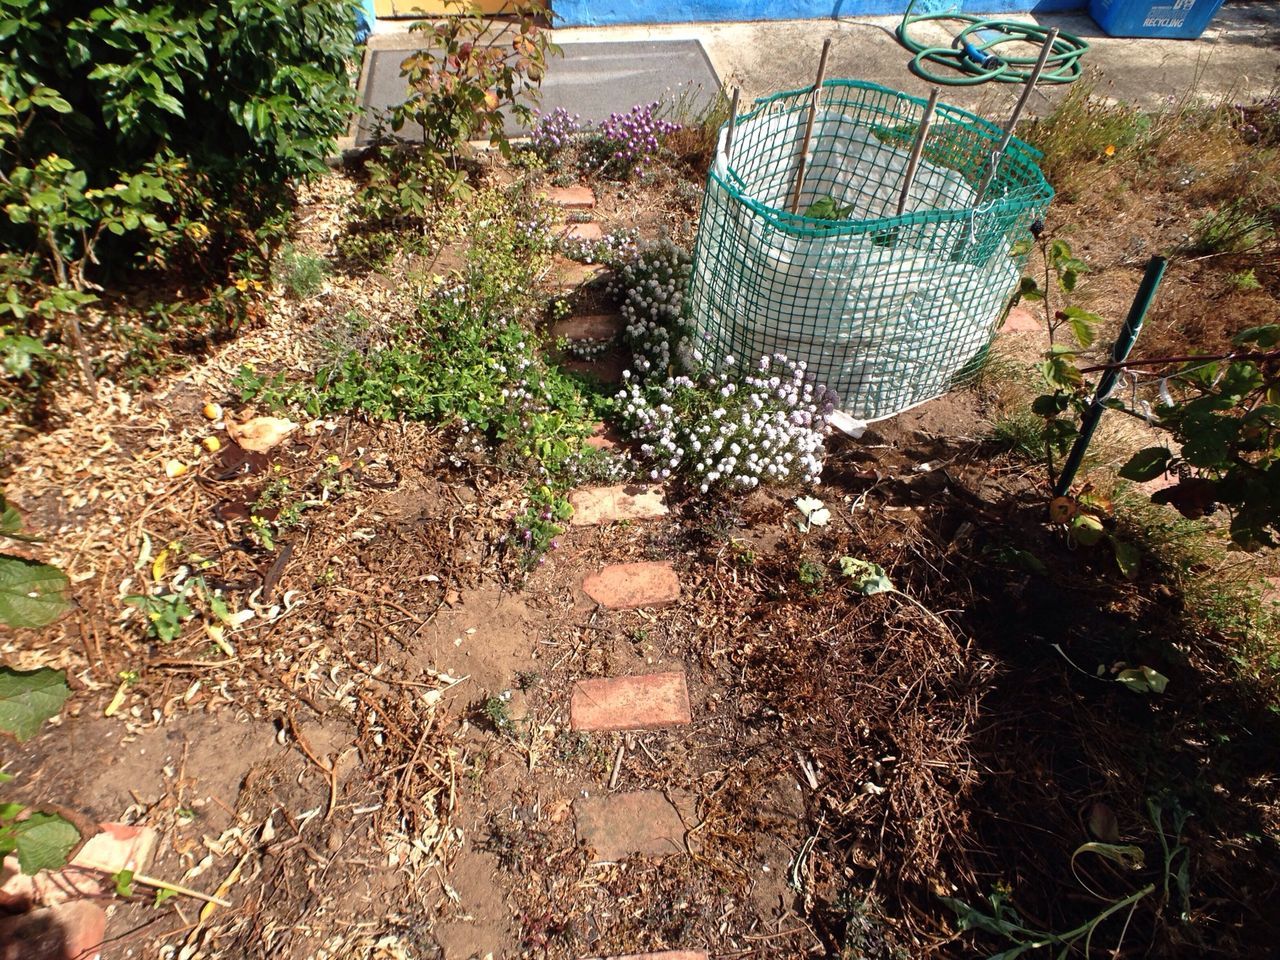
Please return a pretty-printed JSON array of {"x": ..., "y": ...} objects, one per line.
[{"x": 381, "y": 762}]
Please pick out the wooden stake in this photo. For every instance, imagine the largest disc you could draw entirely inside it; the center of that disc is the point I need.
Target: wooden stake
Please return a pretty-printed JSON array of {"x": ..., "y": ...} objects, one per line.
[
  {"x": 917, "y": 148},
  {"x": 1014, "y": 117},
  {"x": 733, "y": 125},
  {"x": 179, "y": 889},
  {"x": 808, "y": 128}
]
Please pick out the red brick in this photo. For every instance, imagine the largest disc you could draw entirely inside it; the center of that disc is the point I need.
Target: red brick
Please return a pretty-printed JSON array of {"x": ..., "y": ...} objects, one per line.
[
  {"x": 603, "y": 439},
  {"x": 572, "y": 198},
  {"x": 596, "y": 326},
  {"x": 631, "y": 586},
  {"x": 118, "y": 847},
  {"x": 619, "y": 825},
  {"x": 1022, "y": 320},
  {"x": 69, "y": 931},
  {"x": 593, "y": 506},
  {"x": 607, "y": 368},
  {"x": 569, "y": 274},
  {"x": 630, "y": 703},
  {"x": 587, "y": 232}
]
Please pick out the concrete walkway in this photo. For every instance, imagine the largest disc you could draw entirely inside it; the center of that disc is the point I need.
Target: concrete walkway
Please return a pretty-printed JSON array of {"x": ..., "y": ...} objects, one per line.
[{"x": 1239, "y": 56}]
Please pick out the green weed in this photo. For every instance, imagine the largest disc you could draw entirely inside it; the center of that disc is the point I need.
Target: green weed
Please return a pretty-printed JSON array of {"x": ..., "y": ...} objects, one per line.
[
  {"x": 1237, "y": 227},
  {"x": 1019, "y": 432},
  {"x": 1244, "y": 280},
  {"x": 300, "y": 274}
]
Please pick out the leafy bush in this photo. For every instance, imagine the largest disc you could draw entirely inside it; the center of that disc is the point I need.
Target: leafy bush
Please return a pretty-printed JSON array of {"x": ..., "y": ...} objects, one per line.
[
  {"x": 467, "y": 74},
  {"x": 245, "y": 96},
  {"x": 144, "y": 133},
  {"x": 1222, "y": 414}
]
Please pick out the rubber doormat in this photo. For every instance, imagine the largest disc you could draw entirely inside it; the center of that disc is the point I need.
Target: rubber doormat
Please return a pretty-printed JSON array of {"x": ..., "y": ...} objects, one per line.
[{"x": 592, "y": 80}]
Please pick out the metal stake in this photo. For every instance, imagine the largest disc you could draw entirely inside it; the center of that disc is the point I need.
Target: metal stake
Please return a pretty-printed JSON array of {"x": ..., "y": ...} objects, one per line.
[
  {"x": 1119, "y": 353},
  {"x": 808, "y": 128},
  {"x": 917, "y": 148}
]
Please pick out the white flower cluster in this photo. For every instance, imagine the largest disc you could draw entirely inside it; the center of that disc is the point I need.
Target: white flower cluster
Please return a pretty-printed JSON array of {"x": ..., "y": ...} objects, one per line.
[
  {"x": 650, "y": 286},
  {"x": 588, "y": 348},
  {"x": 613, "y": 249},
  {"x": 738, "y": 430}
]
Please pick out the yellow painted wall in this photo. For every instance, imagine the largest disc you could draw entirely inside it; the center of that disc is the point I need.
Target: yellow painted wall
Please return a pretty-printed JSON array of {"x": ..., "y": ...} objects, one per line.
[{"x": 429, "y": 8}]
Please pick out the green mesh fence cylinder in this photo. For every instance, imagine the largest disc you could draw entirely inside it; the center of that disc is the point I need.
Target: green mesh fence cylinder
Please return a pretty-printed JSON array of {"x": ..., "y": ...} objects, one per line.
[{"x": 886, "y": 310}]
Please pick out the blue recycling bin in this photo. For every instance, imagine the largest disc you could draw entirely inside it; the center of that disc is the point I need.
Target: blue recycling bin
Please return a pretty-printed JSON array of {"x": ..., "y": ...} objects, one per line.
[{"x": 1173, "y": 19}]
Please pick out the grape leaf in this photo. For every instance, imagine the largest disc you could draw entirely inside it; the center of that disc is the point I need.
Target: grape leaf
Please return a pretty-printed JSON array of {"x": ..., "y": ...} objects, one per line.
[
  {"x": 28, "y": 699},
  {"x": 1146, "y": 464}
]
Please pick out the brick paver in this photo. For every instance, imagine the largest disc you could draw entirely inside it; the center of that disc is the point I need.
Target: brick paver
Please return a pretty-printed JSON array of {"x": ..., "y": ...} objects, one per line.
[
  {"x": 1022, "y": 320},
  {"x": 616, "y": 826},
  {"x": 569, "y": 274},
  {"x": 631, "y": 586},
  {"x": 596, "y": 505},
  {"x": 572, "y": 198},
  {"x": 586, "y": 232},
  {"x": 630, "y": 703}
]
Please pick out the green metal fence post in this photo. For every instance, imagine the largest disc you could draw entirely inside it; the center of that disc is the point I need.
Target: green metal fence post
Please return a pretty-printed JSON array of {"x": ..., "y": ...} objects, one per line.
[{"x": 1119, "y": 353}]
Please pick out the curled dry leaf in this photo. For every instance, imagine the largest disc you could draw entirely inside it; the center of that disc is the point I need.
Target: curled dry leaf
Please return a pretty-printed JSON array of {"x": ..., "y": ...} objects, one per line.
[
  {"x": 261, "y": 433},
  {"x": 1103, "y": 823},
  {"x": 1062, "y": 509}
]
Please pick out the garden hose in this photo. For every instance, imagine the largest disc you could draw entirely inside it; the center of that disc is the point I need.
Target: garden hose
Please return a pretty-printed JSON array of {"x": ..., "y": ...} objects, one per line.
[{"x": 974, "y": 51}]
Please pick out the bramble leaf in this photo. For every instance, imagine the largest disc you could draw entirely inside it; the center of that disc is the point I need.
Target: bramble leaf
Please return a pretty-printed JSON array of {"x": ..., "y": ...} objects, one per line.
[
  {"x": 29, "y": 698},
  {"x": 31, "y": 594},
  {"x": 43, "y": 841}
]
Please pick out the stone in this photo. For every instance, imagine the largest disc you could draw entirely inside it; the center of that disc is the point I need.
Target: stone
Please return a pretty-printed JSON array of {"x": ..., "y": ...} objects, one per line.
[
  {"x": 642, "y": 702},
  {"x": 569, "y": 274},
  {"x": 1022, "y": 320},
  {"x": 593, "y": 506},
  {"x": 576, "y": 197},
  {"x": 619, "y": 825},
  {"x": 583, "y": 232},
  {"x": 69, "y": 931},
  {"x": 596, "y": 326},
  {"x": 631, "y": 586},
  {"x": 663, "y": 955},
  {"x": 518, "y": 706}
]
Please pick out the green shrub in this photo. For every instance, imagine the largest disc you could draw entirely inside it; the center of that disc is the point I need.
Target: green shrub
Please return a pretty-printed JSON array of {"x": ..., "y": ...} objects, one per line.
[
  {"x": 139, "y": 132},
  {"x": 248, "y": 94},
  {"x": 468, "y": 73}
]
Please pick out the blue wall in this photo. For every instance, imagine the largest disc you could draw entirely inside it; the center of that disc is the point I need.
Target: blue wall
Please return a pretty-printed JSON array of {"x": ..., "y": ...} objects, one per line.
[{"x": 586, "y": 13}]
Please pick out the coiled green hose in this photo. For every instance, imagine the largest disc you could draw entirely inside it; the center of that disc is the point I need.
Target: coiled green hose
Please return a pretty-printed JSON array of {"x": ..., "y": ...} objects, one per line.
[{"x": 973, "y": 52}]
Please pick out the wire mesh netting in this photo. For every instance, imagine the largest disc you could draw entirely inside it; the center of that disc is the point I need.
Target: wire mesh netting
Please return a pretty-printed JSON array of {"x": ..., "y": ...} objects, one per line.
[{"x": 888, "y": 310}]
